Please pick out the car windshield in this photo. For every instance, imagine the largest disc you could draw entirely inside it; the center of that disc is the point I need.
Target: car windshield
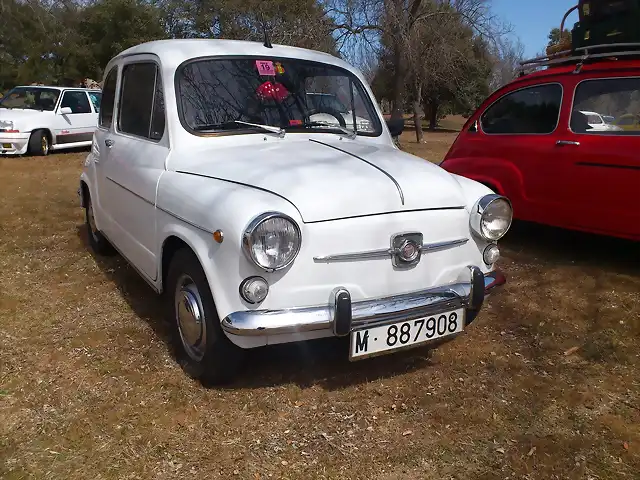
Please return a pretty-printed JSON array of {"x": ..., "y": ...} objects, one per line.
[
  {"x": 31, "y": 98},
  {"x": 216, "y": 95}
]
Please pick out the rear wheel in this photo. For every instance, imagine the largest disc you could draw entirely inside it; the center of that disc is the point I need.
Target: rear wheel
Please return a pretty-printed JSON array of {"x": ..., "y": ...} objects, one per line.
[
  {"x": 39, "y": 143},
  {"x": 202, "y": 349}
]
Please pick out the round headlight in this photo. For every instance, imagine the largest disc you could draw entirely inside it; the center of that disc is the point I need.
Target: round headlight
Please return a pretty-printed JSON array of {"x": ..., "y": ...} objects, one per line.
[
  {"x": 492, "y": 216},
  {"x": 272, "y": 241}
]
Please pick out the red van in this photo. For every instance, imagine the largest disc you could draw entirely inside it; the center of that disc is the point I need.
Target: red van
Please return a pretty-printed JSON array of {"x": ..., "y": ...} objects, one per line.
[{"x": 562, "y": 143}]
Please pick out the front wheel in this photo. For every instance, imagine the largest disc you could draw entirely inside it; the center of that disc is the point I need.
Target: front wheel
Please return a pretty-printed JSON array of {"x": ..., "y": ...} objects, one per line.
[
  {"x": 202, "y": 349},
  {"x": 39, "y": 143},
  {"x": 98, "y": 242}
]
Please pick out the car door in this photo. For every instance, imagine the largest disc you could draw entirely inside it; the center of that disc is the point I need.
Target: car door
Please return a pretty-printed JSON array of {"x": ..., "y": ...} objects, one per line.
[
  {"x": 605, "y": 164},
  {"x": 100, "y": 151},
  {"x": 137, "y": 149},
  {"x": 519, "y": 131},
  {"x": 76, "y": 125}
]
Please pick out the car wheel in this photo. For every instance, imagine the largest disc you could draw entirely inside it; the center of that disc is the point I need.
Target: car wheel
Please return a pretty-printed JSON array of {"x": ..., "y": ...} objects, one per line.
[
  {"x": 39, "y": 143},
  {"x": 98, "y": 242},
  {"x": 202, "y": 349}
]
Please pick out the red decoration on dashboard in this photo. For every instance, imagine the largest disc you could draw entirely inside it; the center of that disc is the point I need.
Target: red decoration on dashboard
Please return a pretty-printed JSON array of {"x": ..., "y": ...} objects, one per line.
[{"x": 272, "y": 91}]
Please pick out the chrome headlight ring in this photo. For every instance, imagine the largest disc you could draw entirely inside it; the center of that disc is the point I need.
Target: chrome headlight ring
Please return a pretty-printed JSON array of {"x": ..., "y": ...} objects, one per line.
[
  {"x": 249, "y": 240},
  {"x": 491, "y": 205}
]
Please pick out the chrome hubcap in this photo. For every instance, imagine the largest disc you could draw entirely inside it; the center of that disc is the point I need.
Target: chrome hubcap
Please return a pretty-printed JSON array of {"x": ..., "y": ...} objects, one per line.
[
  {"x": 45, "y": 145},
  {"x": 190, "y": 318}
]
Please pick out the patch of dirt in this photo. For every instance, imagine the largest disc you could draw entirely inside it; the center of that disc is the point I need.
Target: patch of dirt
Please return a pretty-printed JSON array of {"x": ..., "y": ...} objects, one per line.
[{"x": 543, "y": 385}]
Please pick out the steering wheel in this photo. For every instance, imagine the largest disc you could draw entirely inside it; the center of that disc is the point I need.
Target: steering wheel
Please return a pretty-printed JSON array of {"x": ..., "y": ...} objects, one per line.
[{"x": 330, "y": 111}]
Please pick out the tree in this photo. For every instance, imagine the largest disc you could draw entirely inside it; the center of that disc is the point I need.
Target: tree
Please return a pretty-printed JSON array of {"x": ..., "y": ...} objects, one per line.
[{"x": 555, "y": 36}]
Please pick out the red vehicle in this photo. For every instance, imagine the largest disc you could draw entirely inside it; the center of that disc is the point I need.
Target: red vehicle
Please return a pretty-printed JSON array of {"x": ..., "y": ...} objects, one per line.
[{"x": 559, "y": 142}]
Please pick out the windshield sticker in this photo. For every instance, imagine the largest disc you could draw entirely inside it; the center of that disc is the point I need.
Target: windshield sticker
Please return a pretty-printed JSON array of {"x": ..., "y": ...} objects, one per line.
[
  {"x": 265, "y": 67},
  {"x": 279, "y": 68},
  {"x": 295, "y": 122}
]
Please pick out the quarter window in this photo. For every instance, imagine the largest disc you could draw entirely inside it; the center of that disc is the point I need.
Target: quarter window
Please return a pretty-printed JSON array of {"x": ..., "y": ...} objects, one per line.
[
  {"x": 76, "y": 101},
  {"x": 141, "y": 111},
  {"x": 108, "y": 99},
  {"x": 533, "y": 110},
  {"x": 616, "y": 98}
]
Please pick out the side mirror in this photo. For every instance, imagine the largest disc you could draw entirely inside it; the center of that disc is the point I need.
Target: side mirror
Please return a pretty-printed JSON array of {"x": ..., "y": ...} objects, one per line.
[
  {"x": 65, "y": 111},
  {"x": 395, "y": 126}
]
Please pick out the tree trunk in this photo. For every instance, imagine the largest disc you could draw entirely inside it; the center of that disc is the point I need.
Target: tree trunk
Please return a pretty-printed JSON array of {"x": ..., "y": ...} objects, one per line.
[
  {"x": 417, "y": 119},
  {"x": 433, "y": 115}
]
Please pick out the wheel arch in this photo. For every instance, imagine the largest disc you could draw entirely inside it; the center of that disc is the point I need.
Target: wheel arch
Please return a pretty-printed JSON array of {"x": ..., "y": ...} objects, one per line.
[{"x": 172, "y": 242}]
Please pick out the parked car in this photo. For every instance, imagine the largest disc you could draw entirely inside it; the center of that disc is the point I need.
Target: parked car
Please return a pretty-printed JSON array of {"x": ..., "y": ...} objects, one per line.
[
  {"x": 532, "y": 141},
  {"x": 598, "y": 123},
  {"x": 628, "y": 122},
  {"x": 261, "y": 226},
  {"x": 38, "y": 119}
]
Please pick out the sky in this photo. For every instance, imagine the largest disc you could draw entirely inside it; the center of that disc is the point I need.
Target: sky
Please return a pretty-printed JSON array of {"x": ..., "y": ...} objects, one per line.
[{"x": 532, "y": 20}]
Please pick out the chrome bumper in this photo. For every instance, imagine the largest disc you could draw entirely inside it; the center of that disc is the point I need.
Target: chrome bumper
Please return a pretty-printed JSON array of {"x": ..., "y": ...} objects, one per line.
[{"x": 343, "y": 316}]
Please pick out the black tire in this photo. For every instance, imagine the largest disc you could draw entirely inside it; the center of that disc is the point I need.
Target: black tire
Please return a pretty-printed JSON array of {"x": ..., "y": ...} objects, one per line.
[
  {"x": 39, "y": 143},
  {"x": 217, "y": 361},
  {"x": 97, "y": 241}
]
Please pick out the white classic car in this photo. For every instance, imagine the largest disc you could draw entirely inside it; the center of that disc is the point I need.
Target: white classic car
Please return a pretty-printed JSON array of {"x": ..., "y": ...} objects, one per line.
[
  {"x": 38, "y": 119},
  {"x": 263, "y": 226}
]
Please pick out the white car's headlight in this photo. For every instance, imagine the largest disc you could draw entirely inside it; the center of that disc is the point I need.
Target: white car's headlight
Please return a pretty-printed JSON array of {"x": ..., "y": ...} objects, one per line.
[
  {"x": 491, "y": 217},
  {"x": 272, "y": 241},
  {"x": 6, "y": 125}
]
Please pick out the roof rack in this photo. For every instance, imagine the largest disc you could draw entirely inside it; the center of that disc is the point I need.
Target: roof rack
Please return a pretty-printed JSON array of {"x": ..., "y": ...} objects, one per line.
[{"x": 582, "y": 54}]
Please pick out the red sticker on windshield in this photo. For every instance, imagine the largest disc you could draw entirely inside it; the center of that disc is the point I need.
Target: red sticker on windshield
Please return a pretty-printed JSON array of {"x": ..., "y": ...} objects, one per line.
[
  {"x": 295, "y": 122},
  {"x": 265, "y": 67}
]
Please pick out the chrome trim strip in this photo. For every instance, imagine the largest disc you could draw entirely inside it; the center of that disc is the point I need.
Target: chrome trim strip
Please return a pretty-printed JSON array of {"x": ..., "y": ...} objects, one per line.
[
  {"x": 366, "y": 313},
  {"x": 182, "y": 219},
  {"x": 368, "y": 163},
  {"x": 387, "y": 252}
]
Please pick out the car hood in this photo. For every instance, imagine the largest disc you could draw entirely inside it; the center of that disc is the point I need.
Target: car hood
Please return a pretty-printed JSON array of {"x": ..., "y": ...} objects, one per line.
[
  {"x": 19, "y": 116},
  {"x": 330, "y": 179}
]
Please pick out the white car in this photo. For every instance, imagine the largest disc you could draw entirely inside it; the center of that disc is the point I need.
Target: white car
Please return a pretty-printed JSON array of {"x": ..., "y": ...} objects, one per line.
[
  {"x": 261, "y": 226},
  {"x": 38, "y": 119},
  {"x": 598, "y": 123}
]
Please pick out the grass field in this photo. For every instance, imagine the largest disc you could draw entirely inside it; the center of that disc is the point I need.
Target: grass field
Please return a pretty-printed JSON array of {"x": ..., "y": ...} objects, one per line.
[{"x": 544, "y": 385}]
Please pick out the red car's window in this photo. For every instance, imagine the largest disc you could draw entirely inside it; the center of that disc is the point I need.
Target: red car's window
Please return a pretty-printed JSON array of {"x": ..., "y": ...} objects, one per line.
[
  {"x": 531, "y": 110},
  {"x": 612, "y": 98}
]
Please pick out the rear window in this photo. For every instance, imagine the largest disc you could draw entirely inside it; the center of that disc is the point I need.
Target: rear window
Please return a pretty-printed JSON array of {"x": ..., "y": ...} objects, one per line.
[
  {"x": 531, "y": 110},
  {"x": 618, "y": 98}
]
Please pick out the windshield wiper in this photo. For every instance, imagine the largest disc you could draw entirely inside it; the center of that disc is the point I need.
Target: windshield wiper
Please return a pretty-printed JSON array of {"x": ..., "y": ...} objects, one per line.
[
  {"x": 268, "y": 128},
  {"x": 346, "y": 131},
  {"x": 235, "y": 123}
]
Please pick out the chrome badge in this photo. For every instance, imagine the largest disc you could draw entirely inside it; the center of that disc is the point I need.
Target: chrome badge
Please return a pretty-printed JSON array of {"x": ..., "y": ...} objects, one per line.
[{"x": 406, "y": 249}]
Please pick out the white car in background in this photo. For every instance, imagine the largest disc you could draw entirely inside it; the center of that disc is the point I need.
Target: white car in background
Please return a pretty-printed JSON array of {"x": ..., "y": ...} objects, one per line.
[
  {"x": 38, "y": 119},
  {"x": 598, "y": 123}
]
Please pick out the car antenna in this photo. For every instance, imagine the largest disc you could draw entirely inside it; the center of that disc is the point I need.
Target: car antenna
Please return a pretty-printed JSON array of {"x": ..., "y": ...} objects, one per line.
[{"x": 267, "y": 40}]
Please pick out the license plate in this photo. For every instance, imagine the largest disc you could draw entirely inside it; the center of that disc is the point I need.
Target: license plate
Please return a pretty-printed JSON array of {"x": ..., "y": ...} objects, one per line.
[
  {"x": 6, "y": 145},
  {"x": 389, "y": 338}
]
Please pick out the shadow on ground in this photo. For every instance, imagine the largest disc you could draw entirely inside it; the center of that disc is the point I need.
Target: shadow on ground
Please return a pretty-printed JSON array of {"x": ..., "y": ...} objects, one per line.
[{"x": 566, "y": 247}]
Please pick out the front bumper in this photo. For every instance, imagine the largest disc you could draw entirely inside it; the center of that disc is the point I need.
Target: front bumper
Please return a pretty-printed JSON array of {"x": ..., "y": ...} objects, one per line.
[
  {"x": 341, "y": 316},
  {"x": 13, "y": 143}
]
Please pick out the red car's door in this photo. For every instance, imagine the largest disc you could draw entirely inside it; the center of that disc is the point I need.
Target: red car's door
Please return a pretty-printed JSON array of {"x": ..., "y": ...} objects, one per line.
[
  {"x": 519, "y": 132},
  {"x": 605, "y": 160}
]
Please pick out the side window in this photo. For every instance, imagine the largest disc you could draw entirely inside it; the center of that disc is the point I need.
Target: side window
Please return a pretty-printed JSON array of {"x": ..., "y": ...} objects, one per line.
[
  {"x": 613, "y": 97},
  {"x": 95, "y": 98},
  {"x": 108, "y": 99},
  {"x": 76, "y": 101},
  {"x": 141, "y": 110},
  {"x": 532, "y": 110}
]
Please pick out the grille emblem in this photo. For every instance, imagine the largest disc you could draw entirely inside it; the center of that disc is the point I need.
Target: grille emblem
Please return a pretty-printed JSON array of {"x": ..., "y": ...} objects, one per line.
[{"x": 406, "y": 249}]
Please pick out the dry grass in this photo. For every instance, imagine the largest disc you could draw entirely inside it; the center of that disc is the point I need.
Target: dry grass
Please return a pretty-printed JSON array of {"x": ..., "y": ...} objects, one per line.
[{"x": 89, "y": 389}]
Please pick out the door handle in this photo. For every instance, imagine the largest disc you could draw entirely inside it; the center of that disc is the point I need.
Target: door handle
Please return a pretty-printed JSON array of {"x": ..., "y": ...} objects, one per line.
[
  {"x": 568, "y": 142},
  {"x": 109, "y": 143}
]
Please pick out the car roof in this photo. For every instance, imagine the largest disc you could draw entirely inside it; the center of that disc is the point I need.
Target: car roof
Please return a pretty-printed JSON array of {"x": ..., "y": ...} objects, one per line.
[
  {"x": 604, "y": 66},
  {"x": 587, "y": 112},
  {"x": 173, "y": 52}
]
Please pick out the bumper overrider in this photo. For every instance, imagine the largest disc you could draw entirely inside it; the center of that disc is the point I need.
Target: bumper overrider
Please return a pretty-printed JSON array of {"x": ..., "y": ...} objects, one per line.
[{"x": 342, "y": 316}]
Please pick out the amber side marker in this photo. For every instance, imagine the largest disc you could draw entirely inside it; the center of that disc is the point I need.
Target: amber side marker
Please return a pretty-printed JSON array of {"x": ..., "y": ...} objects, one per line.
[{"x": 218, "y": 236}]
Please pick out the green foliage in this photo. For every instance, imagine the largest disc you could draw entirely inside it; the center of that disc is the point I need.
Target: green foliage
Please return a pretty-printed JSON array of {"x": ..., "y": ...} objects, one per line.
[{"x": 554, "y": 36}]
